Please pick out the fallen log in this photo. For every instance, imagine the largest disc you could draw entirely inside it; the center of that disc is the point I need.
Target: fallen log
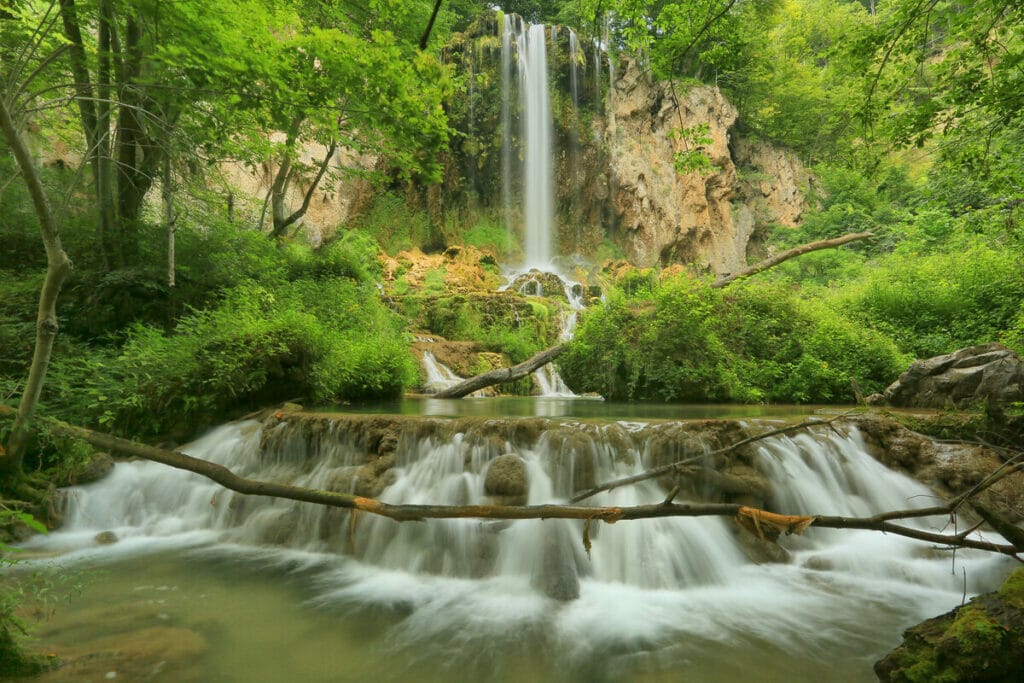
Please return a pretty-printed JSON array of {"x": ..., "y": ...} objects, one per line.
[
  {"x": 773, "y": 261},
  {"x": 502, "y": 375},
  {"x": 403, "y": 513}
]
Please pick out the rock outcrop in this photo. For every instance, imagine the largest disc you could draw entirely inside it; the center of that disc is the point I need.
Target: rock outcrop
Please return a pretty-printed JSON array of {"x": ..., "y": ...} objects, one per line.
[
  {"x": 977, "y": 375},
  {"x": 980, "y": 641},
  {"x": 710, "y": 219}
]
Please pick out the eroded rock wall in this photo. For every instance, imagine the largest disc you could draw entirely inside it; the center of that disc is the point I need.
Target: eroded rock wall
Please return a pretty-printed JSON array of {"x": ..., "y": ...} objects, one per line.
[{"x": 710, "y": 219}]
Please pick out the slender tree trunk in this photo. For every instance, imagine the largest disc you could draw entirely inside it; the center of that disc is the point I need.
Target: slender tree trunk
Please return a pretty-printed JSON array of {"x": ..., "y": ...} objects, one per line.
[
  {"x": 104, "y": 180},
  {"x": 167, "y": 192},
  {"x": 85, "y": 97},
  {"x": 58, "y": 265}
]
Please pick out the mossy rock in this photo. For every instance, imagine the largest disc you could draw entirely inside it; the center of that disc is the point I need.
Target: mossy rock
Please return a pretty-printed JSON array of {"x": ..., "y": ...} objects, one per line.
[{"x": 981, "y": 641}]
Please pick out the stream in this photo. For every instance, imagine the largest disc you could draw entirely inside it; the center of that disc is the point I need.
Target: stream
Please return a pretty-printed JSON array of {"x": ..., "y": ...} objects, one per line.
[{"x": 270, "y": 590}]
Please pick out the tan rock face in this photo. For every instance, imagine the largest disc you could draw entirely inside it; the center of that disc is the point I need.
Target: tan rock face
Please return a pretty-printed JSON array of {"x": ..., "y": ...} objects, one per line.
[
  {"x": 708, "y": 219},
  {"x": 337, "y": 198}
]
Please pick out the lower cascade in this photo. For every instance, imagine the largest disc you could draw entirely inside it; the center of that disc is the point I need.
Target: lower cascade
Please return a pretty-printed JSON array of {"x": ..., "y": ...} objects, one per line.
[{"x": 648, "y": 595}]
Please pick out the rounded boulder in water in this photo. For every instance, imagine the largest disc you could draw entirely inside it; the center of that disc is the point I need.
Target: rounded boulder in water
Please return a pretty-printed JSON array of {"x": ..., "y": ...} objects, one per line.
[{"x": 506, "y": 476}]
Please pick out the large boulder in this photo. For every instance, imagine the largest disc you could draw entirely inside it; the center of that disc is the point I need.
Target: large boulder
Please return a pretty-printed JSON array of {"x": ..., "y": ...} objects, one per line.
[
  {"x": 980, "y": 641},
  {"x": 984, "y": 374}
]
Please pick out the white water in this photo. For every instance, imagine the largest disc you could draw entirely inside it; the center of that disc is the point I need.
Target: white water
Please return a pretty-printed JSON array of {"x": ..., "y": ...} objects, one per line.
[
  {"x": 678, "y": 589},
  {"x": 439, "y": 375},
  {"x": 538, "y": 181}
]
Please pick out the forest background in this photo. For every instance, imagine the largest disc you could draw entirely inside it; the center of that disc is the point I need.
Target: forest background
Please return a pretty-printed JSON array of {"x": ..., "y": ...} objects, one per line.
[{"x": 180, "y": 312}]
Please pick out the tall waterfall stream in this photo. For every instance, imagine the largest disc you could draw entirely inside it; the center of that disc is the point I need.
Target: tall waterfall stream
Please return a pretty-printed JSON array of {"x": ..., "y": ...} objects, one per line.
[{"x": 301, "y": 592}]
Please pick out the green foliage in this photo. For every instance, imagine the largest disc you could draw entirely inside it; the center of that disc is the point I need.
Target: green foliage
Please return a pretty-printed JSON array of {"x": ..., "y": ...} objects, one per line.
[
  {"x": 326, "y": 341},
  {"x": 396, "y": 226},
  {"x": 687, "y": 342},
  {"x": 692, "y": 159},
  {"x": 503, "y": 324},
  {"x": 934, "y": 304},
  {"x": 491, "y": 236}
]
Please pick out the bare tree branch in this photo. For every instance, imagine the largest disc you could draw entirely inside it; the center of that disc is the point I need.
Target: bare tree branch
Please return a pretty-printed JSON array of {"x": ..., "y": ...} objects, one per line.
[
  {"x": 402, "y": 513},
  {"x": 502, "y": 375},
  {"x": 791, "y": 253}
]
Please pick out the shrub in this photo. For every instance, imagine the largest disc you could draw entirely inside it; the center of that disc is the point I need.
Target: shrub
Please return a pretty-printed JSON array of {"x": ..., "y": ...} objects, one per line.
[{"x": 324, "y": 341}]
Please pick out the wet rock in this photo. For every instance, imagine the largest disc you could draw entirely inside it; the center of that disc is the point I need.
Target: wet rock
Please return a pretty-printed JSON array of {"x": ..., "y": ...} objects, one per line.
[
  {"x": 557, "y": 576},
  {"x": 980, "y": 641},
  {"x": 537, "y": 283},
  {"x": 506, "y": 476},
  {"x": 95, "y": 468},
  {"x": 977, "y": 375},
  {"x": 158, "y": 653},
  {"x": 106, "y": 538}
]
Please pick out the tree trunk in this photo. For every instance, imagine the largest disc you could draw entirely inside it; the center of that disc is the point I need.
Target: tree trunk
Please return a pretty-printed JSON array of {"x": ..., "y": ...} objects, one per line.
[
  {"x": 167, "y": 193},
  {"x": 85, "y": 99},
  {"x": 791, "y": 253},
  {"x": 58, "y": 265},
  {"x": 502, "y": 375}
]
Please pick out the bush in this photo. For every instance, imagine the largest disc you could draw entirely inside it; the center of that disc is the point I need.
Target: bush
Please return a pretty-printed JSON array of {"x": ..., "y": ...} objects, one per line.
[
  {"x": 688, "y": 342},
  {"x": 324, "y": 341},
  {"x": 937, "y": 303}
]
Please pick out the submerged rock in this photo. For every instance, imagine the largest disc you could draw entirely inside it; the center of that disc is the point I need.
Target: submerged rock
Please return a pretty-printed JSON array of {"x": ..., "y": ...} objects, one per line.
[
  {"x": 977, "y": 375},
  {"x": 557, "y": 577},
  {"x": 980, "y": 641}
]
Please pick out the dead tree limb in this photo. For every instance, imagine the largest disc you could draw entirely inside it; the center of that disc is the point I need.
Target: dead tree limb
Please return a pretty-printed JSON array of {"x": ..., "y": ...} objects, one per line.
[
  {"x": 671, "y": 467},
  {"x": 791, "y": 253},
  {"x": 402, "y": 513},
  {"x": 502, "y": 375},
  {"x": 544, "y": 357}
]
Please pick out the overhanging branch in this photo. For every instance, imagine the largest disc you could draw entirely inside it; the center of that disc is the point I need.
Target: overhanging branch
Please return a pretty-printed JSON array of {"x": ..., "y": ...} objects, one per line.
[{"x": 403, "y": 513}]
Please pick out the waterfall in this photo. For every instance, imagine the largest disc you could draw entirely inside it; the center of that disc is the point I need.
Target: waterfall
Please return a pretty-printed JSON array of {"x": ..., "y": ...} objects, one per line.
[
  {"x": 536, "y": 123},
  {"x": 506, "y": 121},
  {"x": 611, "y": 78},
  {"x": 679, "y": 583},
  {"x": 439, "y": 375}
]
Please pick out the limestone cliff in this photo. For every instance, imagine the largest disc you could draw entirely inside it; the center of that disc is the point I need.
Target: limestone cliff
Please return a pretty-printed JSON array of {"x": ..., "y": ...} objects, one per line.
[
  {"x": 711, "y": 219},
  {"x": 614, "y": 158}
]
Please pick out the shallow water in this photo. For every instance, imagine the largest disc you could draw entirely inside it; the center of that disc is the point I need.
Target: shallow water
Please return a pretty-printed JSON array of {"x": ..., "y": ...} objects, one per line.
[
  {"x": 259, "y": 590},
  {"x": 580, "y": 407},
  {"x": 267, "y": 617}
]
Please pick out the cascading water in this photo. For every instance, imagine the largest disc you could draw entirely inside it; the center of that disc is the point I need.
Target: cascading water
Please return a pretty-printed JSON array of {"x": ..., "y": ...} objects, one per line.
[
  {"x": 664, "y": 594},
  {"x": 506, "y": 119},
  {"x": 439, "y": 375},
  {"x": 538, "y": 181}
]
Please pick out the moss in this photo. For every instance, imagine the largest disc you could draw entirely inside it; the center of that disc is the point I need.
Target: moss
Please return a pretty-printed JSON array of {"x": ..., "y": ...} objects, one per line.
[
  {"x": 975, "y": 633},
  {"x": 1012, "y": 590}
]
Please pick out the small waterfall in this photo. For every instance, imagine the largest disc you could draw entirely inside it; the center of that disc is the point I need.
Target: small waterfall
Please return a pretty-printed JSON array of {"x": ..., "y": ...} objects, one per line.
[
  {"x": 439, "y": 375},
  {"x": 611, "y": 78},
  {"x": 660, "y": 583},
  {"x": 574, "y": 142}
]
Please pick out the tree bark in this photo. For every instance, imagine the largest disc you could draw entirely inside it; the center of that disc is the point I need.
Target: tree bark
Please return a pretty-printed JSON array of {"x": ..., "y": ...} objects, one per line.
[
  {"x": 403, "y": 513},
  {"x": 86, "y": 101},
  {"x": 58, "y": 265},
  {"x": 788, "y": 254},
  {"x": 502, "y": 375},
  {"x": 283, "y": 222}
]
